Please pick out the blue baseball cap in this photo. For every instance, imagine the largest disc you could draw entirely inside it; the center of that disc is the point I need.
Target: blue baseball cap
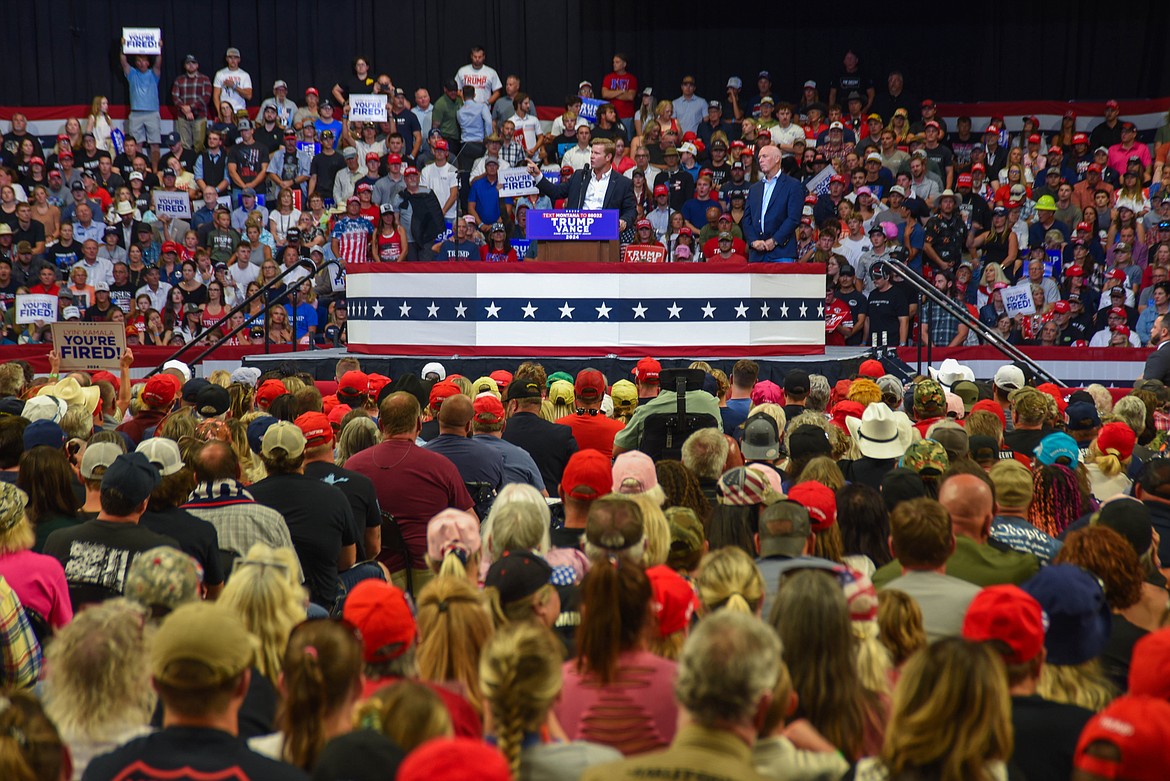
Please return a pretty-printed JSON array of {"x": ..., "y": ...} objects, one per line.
[
  {"x": 256, "y": 431},
  {"x": 1076, "y": 613},
  {"x": 133, "y": 476},
  {"x": 43, "y": 432},
  {"x": 1055, "y": 446}
]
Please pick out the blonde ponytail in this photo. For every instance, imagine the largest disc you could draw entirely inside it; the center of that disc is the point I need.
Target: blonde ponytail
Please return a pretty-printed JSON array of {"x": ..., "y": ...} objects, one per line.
[{"x": 729, "y": 579}]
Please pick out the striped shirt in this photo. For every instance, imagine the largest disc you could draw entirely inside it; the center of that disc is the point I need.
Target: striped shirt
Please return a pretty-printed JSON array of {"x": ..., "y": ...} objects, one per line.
[{"x": 353, "y": 238}]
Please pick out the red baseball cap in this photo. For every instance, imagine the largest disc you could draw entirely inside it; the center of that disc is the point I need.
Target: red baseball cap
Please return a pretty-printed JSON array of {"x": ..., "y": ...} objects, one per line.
[
  {"x": 987, "y": 405},
  {"x": 442, "y": 144},
  {"x": 589, "y": 385},
  {"x": 1010, "y": 615},
  {"x": 1061, "y": 306},
  {"x": 1093, "y": 167},
  {"x": 170, "y": 246},
  {"x": 1112, "y": 104},
  {"x": 372, "y": 156},
  {"x": 644, "y": 223},
  {"x": 1116, "y": 274},
  {"x": 1034, "y": 138},
  {"x": 392, "y": 159},
  {"x": 1149, "y": 672},
  {"x": 991, "y": 129},
  {"x": 979, "y": 167},
  {"x": 316, "y": 428},
  {"x": 871, "y": 368},
  {"x": 1137, "y": 728},
  {"x": 410, "y": 170},
  {"x": 377, "y": 382},
  {"x": 1055, "y": 150},
  {"x": 488, "y": 409},
  {"x": 932, "y": 124},
  {"x": 964, "y": 180},
  {"x": 502, "y": 377},
  {"x": 1074, "y": 271},
  {"x": 441, "y": 391},
  {"x": 819, "y": 500},
  {"x": 160, "y": 391},
  {"x": 587, "y": 476},
  {"x": 837, "y": 179},
  {"x": 674, "y": 600},
  {"x": 268, "y": 391},
  {"x": 1080, "y": 138},
  {"x": 354, "y": 383},
  {"x": 647, "y": 370},
  {"x": 1119, "y": 311},
  {"x": 312, "y": 91},
  {"x": 379, "y": 611},
  {"x": 337, "y": 414},
  {"x": 1084, "y": 227},
  {"x": 685, "y": 231},
  {"x": 660, "y": 189}
]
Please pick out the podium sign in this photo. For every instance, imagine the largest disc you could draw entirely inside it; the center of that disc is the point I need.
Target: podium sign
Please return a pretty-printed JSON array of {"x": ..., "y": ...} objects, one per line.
[{"x": 572, "y": 225}]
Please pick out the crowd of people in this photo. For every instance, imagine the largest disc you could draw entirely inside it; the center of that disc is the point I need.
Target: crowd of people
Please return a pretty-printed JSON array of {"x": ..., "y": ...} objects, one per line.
[
  {"x": 1074, "y": 214},
  {"x": 534, "y": 575}
]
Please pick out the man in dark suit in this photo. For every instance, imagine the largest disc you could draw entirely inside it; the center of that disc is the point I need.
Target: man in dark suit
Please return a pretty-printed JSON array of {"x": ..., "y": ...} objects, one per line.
[
  {"x": 549, "y": 444},
  {"x": 1158, "y": 362},
  {"x": 595, "y": 187},
  {"x": 774, "y": 208}
]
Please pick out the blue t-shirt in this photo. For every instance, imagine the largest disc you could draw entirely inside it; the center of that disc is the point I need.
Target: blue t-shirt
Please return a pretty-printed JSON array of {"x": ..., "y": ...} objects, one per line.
[
  {"x": 335, "y": 126},
  {"x": 306, "y": 318},
  {"x": 463, "y": 250},
  {"x": 486, "y": 198},
  {"x": 143, "y": 90},
  {"x": 694, "y": 211}
]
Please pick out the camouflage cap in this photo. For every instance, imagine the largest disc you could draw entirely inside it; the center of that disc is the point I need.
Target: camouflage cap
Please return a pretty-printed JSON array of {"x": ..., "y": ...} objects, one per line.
[
  {"x": 929, "y": 396},
  {"x": 12, "y": 504},
  {"x": 163, "y": 577},
  {"x": 926, "y": 457},
  {"x": 686, "y": 534}
]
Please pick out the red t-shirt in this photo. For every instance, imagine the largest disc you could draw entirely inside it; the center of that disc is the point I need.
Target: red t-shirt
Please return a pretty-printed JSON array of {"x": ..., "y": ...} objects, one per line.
[
  {"x": 711, "y": 248},
  {"x": 625, "y": 81},
  {"x": 463, "y": 717},
  {"x": 413, "y": 485},
  {"x": 595, "y": 431},
  {"x": 837, "y": 313}
]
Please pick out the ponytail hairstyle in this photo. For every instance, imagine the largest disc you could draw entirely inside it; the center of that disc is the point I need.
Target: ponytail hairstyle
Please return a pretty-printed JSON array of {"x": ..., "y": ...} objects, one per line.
[
  {"x": 30, "y": 746},
  {"x": 615, "y": 608},
  {"x": 453, "y": 545},
  {"x": 520, "y": 678},
  {"x": 729, "y": 579},
  {"x": 453, "y": 627},
  {"x": 322, "y": 674},
  {"x": 518, "y": 610},
  {"x": 407, "y": 712}
]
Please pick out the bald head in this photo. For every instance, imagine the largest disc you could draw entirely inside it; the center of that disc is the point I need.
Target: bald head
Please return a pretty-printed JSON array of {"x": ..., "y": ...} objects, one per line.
[
  {"x": 216, "y": 461},
  {"x": 969, "y": 501},
  {"x": 455, "y": 414}
]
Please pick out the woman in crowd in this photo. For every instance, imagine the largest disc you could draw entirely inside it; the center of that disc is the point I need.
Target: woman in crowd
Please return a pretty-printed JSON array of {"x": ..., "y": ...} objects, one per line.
[
  {"x": 38, "y": 580},
  {"x": 47, "y": 478},
  {"x": 321, "y": 680},
  {"x": 1109, "y": 458},
  {"x": 214, "y": 310},
  {"x": 729, "y": 579},
  {"x": 283, "y": 217},
  {"x": 520, "y": 678},
  {"x": 357, "y": 435},
  {"x": 616, "y": 692},
  {"x": 453, "y": 627},
  {"x": 951, "y": 718},
  {"x": 865, "y": 527},
  {"x": 278, "y": 326},
  {"x": 388, "y": 244},
  {"x": 812, "y": 619},
  {"x": 900, "y": 627},
  {"x": 98, "y": 123},
  {"x": 497, "y": 248},
  {"x": 1056, "y": 499},
  {"x": 46, "y": 213},
  {"x": 268, "y": 272},
  {"x": 31, "y": 748},
  {"x": 305, "y": 312}
]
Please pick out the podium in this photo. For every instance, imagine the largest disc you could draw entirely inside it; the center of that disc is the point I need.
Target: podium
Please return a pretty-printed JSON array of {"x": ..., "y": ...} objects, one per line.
[
  {"x": 575, "y": 235},
  {"x": 579, "y": 251}
]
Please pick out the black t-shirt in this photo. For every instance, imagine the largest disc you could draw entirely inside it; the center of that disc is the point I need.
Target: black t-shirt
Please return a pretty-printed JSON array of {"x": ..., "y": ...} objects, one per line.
[
  {"x": 95, "y": 314},
  {"x": 197, "y": 296},
  {"x": 858, "y": 305},
  {"x": 197, "y": 538},
  {"x": 249, "y": 158},
  {"x": 325, "y": 168},
  {"x": 942, "y": 155},
  {"x": 8, "y": 295},
  {"x": 189, "y": 754},
  {"x": 359, "y": 490},
  {"x": 320, "y": 522},
  {"x": 269, "y": 139},
  {"x": 850, "y": 82},
  {"x": 566, "y": 538},
  {"x": 63, "y": 256},
  {"x": 122, "y": 295},
  {"x": 1046, "y": 737},
  {"x": 34, "y": 234},
  {"x": 1118, "y": 651},
  {"x": 406, "y": 125},
  {"x": 884, "y": 310},
  {"x": 97, "y": 555}
]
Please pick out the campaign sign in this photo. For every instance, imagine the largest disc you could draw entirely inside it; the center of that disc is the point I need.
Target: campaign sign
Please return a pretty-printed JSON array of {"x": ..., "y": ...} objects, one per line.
[
  {"x": 174, "y": 205},
  {"x": 644, "y": 253},
  {"x": 89, "y": 346},
  {"x": 1053, "y": 262},
  {"x": 516, "y": 181},
  {"x": 35, "y": 307},
  {"x": 589, "y": 108},
  {"x": 367, "y": 108},
  {"x": 1018, "y": 300},
  {"x": 572, "y": 224},
  {"x": 141, "y": 40}
]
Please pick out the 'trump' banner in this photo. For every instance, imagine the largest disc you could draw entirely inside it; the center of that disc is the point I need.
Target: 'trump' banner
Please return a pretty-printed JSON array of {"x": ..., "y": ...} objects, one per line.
[{"x": 585, "y": 309}]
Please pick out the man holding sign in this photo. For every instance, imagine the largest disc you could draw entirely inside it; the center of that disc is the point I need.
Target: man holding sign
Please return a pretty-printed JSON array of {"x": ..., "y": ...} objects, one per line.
[
  {"x": 144, "y": 123},
  {"x": 594, "y": 187}
]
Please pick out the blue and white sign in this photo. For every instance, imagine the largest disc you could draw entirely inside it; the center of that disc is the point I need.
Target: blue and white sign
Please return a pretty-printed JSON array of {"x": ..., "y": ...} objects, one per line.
[
  {"x": 572, "y": 224},
  {"x": 141, "y": 40},
  {"x": 516, "y": 181},
  {"x": 173, "y": 204},
  {"x": 36, "y": 307},
  {"x": 589, "y": 108},
  {"x": 367, "y": 108},
  {"x": 1017, "y": 300}
]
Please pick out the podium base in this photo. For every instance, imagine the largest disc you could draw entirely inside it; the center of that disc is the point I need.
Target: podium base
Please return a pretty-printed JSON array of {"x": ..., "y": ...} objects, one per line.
[{"x": 579, "y": 251}]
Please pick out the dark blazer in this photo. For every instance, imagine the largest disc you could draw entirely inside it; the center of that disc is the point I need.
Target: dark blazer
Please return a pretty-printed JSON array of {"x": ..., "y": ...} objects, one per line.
[
  {"x": 122, "y": 232},
  {"x": 619, "y": 195},
  {"x": 780, "y": 223},
  {"x": 1158, "y": 364},
  {"x": 549, "y": 444}
]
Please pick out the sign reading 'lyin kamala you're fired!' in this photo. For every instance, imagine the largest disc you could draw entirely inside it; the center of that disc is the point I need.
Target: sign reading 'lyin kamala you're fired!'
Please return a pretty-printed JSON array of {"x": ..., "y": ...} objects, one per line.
[{"x": 572, "y": 224}]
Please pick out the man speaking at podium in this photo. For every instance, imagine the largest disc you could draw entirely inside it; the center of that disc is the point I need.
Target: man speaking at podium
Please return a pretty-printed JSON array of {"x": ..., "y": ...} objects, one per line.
[
  {"x": 597, "y": 186},
  {"x": 774, "y": 208}
]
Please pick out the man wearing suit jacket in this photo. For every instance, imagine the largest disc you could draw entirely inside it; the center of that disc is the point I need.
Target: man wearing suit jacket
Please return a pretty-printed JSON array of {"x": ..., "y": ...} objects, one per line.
[
  {"x": 774, "y": 208},
  {"x": 597, "y": 186},
  {"x": 549, "y": 444},
  {"x": 1158, "y": 363}
]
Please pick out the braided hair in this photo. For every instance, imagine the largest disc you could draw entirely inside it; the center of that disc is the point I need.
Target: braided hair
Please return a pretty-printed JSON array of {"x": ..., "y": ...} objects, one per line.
[
  {"x": 1056, "y": 499},
  {"x": 520, "y": 679},
  {"x": 682, "y": 487}
]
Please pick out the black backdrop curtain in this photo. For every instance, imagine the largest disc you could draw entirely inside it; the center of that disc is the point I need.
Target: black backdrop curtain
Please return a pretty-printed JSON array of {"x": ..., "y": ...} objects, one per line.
[{"x": 65, "y": 51}]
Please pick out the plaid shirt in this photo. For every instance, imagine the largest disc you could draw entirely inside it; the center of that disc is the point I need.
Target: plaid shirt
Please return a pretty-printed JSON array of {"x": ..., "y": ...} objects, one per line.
[
  {"x": 239, "y": 520},
  {"x": 944, "y": 326},
  {"x": 20, "y": 648},
  {"x": 194, "y": 91},
  {"x": 512, "y": 153}
]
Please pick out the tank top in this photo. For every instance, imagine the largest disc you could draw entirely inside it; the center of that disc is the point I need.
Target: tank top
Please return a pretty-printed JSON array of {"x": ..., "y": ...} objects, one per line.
[
  {"x": 995, "y": 249},
  {"x": 389, "y": 247}
]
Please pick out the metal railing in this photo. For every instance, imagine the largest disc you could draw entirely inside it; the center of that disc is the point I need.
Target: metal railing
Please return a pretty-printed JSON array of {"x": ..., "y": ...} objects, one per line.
[
  {"x": 934, "y": 297},
  {"x": 263, "y": 291}
]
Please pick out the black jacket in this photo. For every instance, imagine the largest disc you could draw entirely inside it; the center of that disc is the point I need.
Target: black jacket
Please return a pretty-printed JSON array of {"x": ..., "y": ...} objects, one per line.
[
  {"x": 549, "y": 444},
  {"x": 426, "y": 217},
  {"x": 619, "y": 195}
]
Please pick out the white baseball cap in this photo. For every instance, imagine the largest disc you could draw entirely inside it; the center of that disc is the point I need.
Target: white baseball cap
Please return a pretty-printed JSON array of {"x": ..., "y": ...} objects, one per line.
[{"x": 1009, "y": 377}]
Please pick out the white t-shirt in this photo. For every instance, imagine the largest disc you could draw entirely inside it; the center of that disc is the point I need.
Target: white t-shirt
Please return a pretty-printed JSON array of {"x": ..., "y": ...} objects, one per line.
[
  {"x": 853, "y": 249},
  {"x": 228, "y": 93},
  {"x": 242, "y": 277},
  {"x": 530, "y": 127},
  {"x": 440, "y": 181},
  {"x": 786, "y": 136},
  {"x": 484, "y": 79},
  {"x": 478, "y": 167}
]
